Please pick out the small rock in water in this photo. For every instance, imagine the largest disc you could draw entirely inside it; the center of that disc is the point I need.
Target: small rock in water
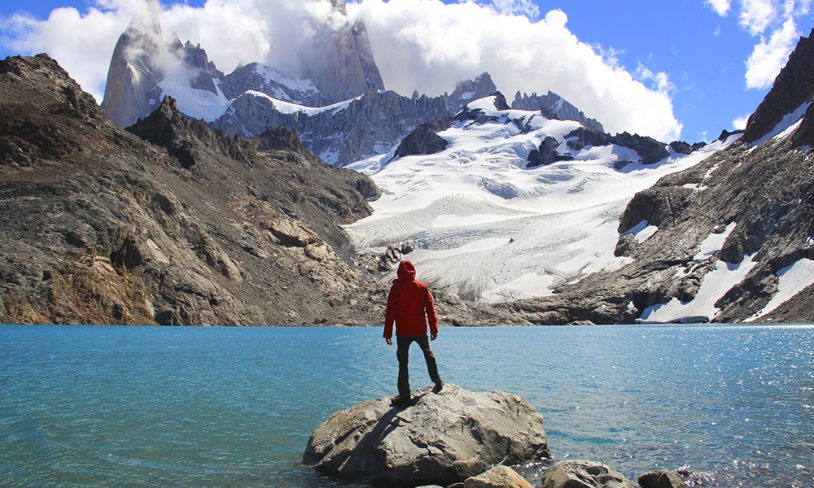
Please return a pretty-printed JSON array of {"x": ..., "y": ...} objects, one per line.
[
  {"x": 661, "y": 479},
  {"x": 584, "y": 474}
]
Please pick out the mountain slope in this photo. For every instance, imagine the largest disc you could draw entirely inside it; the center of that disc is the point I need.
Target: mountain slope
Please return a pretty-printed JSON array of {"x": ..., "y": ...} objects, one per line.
[
  {"x": 731, "y": 239},
  {"x": 100, "y": 226}
]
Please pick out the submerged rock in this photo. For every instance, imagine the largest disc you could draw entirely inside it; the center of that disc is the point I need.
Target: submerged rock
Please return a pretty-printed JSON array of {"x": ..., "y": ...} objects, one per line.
[
  {"x": 583, "y": 474},
  {"x": 440, "y": 438}
]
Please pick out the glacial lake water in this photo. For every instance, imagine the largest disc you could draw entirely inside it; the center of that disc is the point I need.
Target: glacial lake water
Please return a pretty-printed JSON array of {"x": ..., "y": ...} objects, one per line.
[{"x": 149, "y": 406}]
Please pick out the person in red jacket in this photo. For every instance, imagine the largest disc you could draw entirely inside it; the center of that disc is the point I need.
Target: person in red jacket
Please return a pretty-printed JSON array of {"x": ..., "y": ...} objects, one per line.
[{"x": 409, "y": 306}]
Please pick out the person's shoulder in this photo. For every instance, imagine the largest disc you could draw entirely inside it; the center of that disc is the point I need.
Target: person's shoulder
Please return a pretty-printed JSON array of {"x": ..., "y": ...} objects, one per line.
[{"x": 421, "y": 284}]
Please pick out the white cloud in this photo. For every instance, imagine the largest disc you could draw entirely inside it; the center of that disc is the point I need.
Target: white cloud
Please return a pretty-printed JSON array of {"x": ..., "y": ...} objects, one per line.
[
  {"x": 757, "y": 15},
  {"x": 660, "y": 81},
  {"x": 721, "y": 7},
  {"x": 517, "y": 7},
  {"x": 739, "y": 123},
  {"x": 774, "y": 24},
  {"x": 423, "y": 44},
  {"x": 441, "y": 44},
  {"x": 770, "y": 55}
]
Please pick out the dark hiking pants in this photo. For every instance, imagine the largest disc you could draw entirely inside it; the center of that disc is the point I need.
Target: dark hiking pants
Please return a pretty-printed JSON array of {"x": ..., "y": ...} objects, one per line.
[{"x": 403, "y": 353}]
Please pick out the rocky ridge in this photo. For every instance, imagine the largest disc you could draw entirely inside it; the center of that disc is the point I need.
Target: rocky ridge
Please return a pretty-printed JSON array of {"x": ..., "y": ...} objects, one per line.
[
  {"x": 553, "y": 106},
  {"x": 763, "y": 230}
]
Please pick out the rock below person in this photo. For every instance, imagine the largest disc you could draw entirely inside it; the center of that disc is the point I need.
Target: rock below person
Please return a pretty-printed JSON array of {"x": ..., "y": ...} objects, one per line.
[{"x": 410, "y": 306}]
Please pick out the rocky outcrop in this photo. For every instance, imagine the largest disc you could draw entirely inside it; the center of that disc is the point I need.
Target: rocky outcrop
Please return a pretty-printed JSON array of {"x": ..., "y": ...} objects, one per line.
[
  {"x": 547, "y": 153},
  {"x": 792, "y": 87},
  {"x": 650, "y": 150},
  {"x": 583, "y": 474},
  {"x": 555, "y": 107},
  {"x": 100, "y": 226},
  {"x": 681, "y": 147},
  {"x": 425, "y": 139},
  {"x": 471, "y": 90},
  {"x": 661, "y": 479},
  {"x": 439, "y": 439}
]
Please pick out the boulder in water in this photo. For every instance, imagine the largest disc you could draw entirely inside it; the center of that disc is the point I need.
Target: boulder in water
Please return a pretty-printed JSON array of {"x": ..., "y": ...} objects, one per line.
[{"x": 439, "y": 438}]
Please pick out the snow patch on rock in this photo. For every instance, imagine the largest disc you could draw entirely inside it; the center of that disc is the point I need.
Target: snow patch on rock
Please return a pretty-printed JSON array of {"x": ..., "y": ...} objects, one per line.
[{"x": 792, "y": 279}]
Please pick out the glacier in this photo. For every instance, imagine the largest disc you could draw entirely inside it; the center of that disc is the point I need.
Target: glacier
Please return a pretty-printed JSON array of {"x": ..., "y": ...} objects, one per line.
[{"x": 487, "y": 226}]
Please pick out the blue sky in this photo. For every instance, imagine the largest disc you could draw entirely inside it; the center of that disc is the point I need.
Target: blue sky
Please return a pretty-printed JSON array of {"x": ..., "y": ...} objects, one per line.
[{"x": 694, "y": 52}]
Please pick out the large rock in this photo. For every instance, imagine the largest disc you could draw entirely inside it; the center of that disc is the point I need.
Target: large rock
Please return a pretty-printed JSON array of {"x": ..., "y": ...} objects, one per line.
[
  {"x": 661, "y": 479},
  {"x": 583, "y": 474},
  {"x": 440, "y": 439}
]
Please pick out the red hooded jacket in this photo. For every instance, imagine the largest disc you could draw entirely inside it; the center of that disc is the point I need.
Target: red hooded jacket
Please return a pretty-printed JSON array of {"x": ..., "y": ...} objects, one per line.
[{"x": 409, "y": 305}]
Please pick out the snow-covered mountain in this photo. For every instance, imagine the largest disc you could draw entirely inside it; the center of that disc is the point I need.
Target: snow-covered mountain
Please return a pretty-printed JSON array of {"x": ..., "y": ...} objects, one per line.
[
  {"x": 490, "y": 225},
  {"x": 336, "y": 65}
]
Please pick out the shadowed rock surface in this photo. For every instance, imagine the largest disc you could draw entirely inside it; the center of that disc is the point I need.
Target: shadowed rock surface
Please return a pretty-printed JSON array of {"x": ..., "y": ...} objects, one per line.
[
  {"x": 792, "y": 87},
  {"x": 425, "y": 139},
  {"x": 440, "y": 439},
  {"x": 661, "y": 479},
  {"x": 583, "y": 474}
]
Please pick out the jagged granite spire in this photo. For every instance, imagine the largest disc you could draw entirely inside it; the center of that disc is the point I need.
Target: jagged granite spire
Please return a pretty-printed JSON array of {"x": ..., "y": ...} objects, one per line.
[
  {"x": 133, "y": 78},
  {"x": 340, "y": 61}
]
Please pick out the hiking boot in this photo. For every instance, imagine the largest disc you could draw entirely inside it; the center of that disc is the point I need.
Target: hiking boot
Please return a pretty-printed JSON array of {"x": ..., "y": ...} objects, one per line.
[
  {"x": 399, "y": 401},
  {"x": 438, "y": 387}
]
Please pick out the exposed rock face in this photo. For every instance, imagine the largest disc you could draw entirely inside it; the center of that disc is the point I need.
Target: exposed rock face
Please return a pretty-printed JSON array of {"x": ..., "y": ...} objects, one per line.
[
  {"x": 138, "y": 69},
  {"x": 133, "y": 80},
  {"x": 792, "y": 87},
  {"x": 547, "y": 153},
  {"x": 649, "y": 149},
  {"x": 425, "y": 139},
  {"x": 341, "y": 63},
  {"x": 661, "y": 479},
  {"x": 100, "y": 226},
  {"x": 264, "y": 79},
  {"x": 469, "y": 90},
  {"x": 583, "y": 474},
  {"x": 365, "y": 127},
  {"x": 497, "y": 477},
  {"x": 555, "y": 107},
  {"x": 440, "y": 439}
]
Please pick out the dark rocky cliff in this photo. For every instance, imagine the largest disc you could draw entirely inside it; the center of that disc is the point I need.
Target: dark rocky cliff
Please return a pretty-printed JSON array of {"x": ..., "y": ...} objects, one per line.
[{"x": 102, "y": 227}]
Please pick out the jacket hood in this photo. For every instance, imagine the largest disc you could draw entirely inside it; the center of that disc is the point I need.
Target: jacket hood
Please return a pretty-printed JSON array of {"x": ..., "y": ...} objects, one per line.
[{"x": 406, "y": 271}]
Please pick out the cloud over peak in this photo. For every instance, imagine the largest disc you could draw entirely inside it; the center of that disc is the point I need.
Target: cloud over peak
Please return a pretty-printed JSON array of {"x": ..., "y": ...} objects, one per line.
[{"x": 419, "y": 44}]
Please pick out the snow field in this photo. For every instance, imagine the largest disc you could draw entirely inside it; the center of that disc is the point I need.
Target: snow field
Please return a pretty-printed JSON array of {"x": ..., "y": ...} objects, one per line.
[{"x": 487, "y": 227}]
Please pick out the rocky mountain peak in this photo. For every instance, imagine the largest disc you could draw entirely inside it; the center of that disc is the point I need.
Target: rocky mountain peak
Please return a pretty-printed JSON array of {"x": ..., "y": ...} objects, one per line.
[
  {"x": 469, "y": 90},
  {"x": 792, "y": 87},
  {"x": 133, "y": 78},
  {"x": 185, "y": 139},
  {"x": 340, "y": 61}
]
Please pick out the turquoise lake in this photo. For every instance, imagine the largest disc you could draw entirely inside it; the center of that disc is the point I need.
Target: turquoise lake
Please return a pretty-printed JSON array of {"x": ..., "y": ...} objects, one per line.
[{"x": 149, "y": 406}]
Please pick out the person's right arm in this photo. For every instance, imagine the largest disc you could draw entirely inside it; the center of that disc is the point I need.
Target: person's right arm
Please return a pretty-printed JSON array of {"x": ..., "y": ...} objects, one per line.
[
  {"x": 390, "y": 314},
  {"x": 431, "y": 317}
]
